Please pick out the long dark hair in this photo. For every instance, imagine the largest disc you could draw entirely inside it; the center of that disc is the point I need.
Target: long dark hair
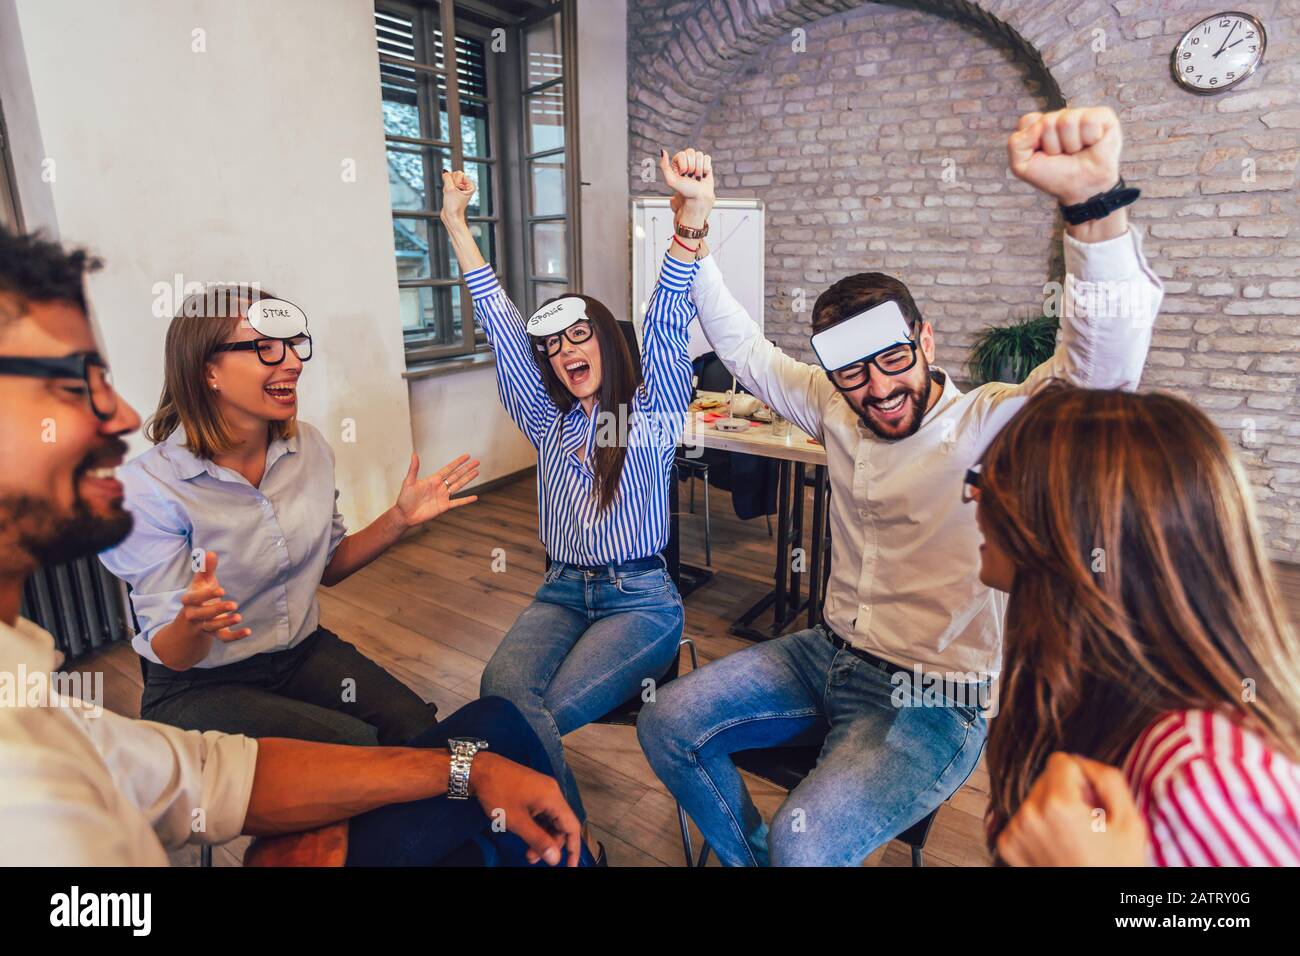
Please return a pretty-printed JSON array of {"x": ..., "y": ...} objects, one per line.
[
  {"x": 1141, "y": 585},
  {"x": 619, "y": 379}
]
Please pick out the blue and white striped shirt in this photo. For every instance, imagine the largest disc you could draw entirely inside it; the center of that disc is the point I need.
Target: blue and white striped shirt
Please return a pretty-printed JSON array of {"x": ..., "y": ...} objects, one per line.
[{"x": 571, "y": 526}]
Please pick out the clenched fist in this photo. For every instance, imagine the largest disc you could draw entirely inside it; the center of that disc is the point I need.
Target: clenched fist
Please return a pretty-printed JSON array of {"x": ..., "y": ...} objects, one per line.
[
  {"x": 457, "y": 191},
  {"x": 1070, "y": 154},
  {"x": 1078, "y": 813},
  {"x": 689, "y": 174}
]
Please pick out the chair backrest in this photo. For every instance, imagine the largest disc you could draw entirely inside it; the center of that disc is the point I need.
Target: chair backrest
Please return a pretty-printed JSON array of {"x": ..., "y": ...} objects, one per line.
[
  {"x": 713, "y": 375},
  {"x": 629, "y": 333}
]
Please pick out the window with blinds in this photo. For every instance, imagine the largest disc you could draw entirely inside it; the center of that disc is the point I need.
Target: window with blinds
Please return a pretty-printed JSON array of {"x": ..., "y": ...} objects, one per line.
[
  {"x": 500, "y": 113},
  {"x": 434, "y": 120}
]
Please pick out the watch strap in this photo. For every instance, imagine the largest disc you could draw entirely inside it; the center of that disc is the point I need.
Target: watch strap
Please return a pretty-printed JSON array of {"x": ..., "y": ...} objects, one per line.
[
  {"x": 690, "y": 232},
  {"x": 1101, "y": 205},
  {"x": 462, "y": 761}
]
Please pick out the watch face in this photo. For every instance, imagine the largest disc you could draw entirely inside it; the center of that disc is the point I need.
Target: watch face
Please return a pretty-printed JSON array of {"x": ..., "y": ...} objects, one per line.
[{"x": 1219, "y": 52}]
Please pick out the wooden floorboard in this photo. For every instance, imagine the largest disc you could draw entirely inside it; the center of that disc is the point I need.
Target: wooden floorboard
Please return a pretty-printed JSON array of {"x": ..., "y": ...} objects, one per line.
[{"x": 433, "y": 609}]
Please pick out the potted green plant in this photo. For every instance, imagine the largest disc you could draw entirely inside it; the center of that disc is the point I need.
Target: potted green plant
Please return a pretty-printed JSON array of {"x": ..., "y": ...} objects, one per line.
[{"x": 1008, "y": 353}]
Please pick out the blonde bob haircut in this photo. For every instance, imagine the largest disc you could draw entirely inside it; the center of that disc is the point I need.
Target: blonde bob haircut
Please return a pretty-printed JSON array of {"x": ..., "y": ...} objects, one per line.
[{"x": 205, "y": 320}]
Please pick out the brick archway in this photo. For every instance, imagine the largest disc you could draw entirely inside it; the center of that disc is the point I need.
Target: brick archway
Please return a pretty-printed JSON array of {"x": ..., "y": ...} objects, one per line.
[{"x": 708, "y": 44}]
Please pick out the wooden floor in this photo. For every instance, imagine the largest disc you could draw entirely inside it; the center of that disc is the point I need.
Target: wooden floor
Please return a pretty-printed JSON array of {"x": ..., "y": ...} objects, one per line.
[{"x": 432, "y": 610}]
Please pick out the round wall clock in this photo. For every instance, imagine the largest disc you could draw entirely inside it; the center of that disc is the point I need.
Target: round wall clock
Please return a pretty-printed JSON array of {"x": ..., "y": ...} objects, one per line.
[{"x": 1219, "y": 52}]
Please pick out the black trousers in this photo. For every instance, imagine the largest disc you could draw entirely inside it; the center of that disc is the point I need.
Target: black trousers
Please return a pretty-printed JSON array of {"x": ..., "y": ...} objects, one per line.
[{"x": 324, "y": 689}]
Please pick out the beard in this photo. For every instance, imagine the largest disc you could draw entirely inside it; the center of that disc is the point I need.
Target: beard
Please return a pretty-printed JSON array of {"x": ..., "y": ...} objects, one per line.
[
  {"x": 917, "y": 400},
  {"x": 51, "y": 536}
]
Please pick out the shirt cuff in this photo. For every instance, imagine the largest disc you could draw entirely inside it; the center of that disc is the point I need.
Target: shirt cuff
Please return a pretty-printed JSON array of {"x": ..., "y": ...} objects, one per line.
[
  {"x": 676, "y": 275},
  {"x": 1108, "y": 260},
  {"x": 228, "y": 774},
  {"x": 482, "y": 281},
  {"x": 708, "y": 270}
]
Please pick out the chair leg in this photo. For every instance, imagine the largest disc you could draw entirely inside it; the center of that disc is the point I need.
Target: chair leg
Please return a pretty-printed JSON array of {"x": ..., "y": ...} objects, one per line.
[
  {"x": 704, "y": 854},
  {"x": 769, "y": 525},
  {"x": 708, "y": 545},
  {"x": 692, "y": 493},
  {"x": 205, "y": 855},
  {"x": 686, "y": 835},
  {"x": 689, "y": 644},
  {"x": 917, "y": 859}
]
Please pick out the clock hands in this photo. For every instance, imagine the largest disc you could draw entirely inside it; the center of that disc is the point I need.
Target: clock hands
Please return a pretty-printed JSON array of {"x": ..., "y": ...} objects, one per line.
[{"x": 1224, "y": 44}]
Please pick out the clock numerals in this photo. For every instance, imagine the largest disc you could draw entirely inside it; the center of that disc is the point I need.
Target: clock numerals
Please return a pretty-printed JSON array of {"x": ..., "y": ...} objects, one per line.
[{"x": 1219, "y": 52}]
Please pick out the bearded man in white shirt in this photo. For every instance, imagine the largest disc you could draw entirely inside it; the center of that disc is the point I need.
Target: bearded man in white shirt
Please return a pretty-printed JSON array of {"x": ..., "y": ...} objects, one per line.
[
  {"x": 83, "y": 787},
  {"x": 895, "y": 684}
]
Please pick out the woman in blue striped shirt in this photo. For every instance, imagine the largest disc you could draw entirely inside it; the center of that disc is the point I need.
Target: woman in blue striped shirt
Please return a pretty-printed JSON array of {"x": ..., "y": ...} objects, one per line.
[{"x": 607, "y": 619}]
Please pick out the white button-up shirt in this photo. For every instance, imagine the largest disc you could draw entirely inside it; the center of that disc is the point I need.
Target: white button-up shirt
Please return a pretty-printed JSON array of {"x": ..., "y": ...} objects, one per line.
[
  {"x": 80, "y": 786},
  {"x": 272, "y": 542},
  {"x": 904, "y": 581}
]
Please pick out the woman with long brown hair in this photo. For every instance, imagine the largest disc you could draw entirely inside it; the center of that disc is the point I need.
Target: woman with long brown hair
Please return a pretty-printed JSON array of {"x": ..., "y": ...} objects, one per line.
[
  {"x": 235, "y": 479},
  {"x": 1149, "y": 708},
  {"x": 608, "y": 617}
]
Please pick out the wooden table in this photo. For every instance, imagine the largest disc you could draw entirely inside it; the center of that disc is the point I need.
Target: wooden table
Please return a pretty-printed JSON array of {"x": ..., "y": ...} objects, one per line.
[{"x": 793, "y": 453}]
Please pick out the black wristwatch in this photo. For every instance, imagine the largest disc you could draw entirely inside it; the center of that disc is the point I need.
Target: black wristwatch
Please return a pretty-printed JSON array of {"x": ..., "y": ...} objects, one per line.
[{"x": 1101, "y": 205}]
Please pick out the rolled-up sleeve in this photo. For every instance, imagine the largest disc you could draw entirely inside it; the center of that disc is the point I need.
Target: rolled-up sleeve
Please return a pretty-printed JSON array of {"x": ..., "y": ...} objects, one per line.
[{"x": 192, "y": 787}]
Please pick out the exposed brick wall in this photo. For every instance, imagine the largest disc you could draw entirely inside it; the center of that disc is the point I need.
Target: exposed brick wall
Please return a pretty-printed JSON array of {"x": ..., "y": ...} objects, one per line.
[
  {"x": 847, "y": 142},
  {"x": 854, "y": 178}
]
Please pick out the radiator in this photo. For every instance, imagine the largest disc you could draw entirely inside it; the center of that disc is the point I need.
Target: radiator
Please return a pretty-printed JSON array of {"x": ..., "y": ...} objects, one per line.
[{"x": 80, "y": 603}]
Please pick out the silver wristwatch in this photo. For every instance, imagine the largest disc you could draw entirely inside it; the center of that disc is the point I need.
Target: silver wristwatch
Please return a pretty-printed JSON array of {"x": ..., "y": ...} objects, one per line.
[{"x": 462, "y": 750}]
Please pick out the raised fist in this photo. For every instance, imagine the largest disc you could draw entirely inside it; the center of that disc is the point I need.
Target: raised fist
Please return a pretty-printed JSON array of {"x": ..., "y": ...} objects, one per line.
[{"x": 1070, "y": 154}]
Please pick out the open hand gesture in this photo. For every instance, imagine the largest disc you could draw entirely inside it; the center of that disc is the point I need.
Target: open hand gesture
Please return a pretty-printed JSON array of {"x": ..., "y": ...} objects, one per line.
[
  {"x": 204, "y": 609},
  {"x": 424, "y": 498}
]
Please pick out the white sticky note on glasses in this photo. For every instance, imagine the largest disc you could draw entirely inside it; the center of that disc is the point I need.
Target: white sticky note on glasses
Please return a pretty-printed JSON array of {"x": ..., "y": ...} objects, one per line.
[
  {"x": 556, "y": 316},
  {"x": 861, "y": 335},
  {"x": 277, "y": 318}
]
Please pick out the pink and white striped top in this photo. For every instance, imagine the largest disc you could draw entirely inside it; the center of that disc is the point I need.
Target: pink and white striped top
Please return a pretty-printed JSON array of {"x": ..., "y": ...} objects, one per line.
[{"x": 1214, "y": 794}]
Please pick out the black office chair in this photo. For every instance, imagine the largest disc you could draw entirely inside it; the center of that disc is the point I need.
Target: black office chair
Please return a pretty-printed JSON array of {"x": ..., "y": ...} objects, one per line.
[{"x": 786, "y": 767}]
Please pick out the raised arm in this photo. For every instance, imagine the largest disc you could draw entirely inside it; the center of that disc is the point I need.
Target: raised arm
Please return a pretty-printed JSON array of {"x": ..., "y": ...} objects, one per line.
[
  {"x": 665, "y": 358},
  {"x": 1111, "y": 296},
  {"x": 519, "y": 382},
  {"x": 795, "y": 389}
]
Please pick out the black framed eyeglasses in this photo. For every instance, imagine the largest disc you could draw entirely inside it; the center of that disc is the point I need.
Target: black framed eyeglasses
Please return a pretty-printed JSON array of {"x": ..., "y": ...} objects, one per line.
[
  {"x": 271, "y": 351},
  {"x": 894, "y": 360},
  {"x": 550, "y": 345},
  {"x": 970, "y": 485},
  {"x": 88, "y": 368}
]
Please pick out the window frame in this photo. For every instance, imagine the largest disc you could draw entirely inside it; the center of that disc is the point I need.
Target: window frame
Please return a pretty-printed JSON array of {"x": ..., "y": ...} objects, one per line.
[
  {"x": 422, "y": 344},
  {"x": 508, "y": 162},
  {"x": 11, "y": 212},
  {"x": 569, "y": 152}
]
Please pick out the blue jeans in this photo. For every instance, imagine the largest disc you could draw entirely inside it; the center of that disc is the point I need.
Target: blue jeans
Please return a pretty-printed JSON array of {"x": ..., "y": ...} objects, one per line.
[
  {"x": 882, "y": 766},
  {"x": 438, "y": 831},
  {"x": 586, "y": 644}
]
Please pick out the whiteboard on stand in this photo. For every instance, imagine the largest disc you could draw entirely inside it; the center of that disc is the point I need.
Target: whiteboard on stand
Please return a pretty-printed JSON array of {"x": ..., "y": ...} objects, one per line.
[{"x": 736, "y": 242}]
